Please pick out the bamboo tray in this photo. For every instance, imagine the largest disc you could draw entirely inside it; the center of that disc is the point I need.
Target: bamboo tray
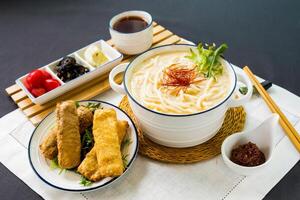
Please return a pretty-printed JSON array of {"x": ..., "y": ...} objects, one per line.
[{"x": 35, "y": 113}]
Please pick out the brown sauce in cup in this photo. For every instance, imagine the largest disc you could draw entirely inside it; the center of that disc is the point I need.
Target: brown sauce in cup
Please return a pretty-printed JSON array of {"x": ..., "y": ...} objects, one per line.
[{"x": 130, "y": 24}]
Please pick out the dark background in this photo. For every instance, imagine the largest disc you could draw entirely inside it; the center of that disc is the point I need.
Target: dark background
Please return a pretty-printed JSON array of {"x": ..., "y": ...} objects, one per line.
[{"x": 264, "y": 35}]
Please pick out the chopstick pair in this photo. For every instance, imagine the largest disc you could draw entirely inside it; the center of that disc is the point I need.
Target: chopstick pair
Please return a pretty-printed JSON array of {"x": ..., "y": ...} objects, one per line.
[{"x": 284, "y": 122}]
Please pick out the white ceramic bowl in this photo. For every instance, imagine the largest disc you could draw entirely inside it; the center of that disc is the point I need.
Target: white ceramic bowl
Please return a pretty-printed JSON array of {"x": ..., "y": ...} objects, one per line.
[
  {"x": 132, "y": 43},
  {"x": 263, "y": 136},
  {"x": 69, "y": 180},
  {"x": 179, "y": 130}
]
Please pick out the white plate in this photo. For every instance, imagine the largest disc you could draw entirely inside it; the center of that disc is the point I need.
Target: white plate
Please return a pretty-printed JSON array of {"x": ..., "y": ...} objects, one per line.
[
  {"x": 69, "y": 180},
  {"x": 114, "y": 58}
]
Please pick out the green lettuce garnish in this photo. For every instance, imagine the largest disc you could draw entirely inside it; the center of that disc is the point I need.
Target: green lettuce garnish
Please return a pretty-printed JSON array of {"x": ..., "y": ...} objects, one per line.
[
  {"x": 207, "y": 59},
  {"x": 124, "y": 145},
  {"x": 54, "y": 165},
  {"x": 85, "y": 182}
]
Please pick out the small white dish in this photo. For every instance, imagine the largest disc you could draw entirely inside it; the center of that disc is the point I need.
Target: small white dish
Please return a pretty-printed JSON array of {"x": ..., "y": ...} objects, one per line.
[
  {"x": 45, "y": 97},
  {"x": 263, "y": 136},
  {"x": 69, "y": 180},
  {"x": 114, "y": 58},
  {"x": 106, "y": 49},
  {"x": 132, "y": 43}
]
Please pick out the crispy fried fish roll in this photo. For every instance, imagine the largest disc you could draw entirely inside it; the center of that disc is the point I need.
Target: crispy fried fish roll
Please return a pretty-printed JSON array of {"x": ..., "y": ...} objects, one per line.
[
  {"x": 122, "y": 129},
  {"x": 89, "y": 166},
  {"x": 68, "y": 136},
  {"x": 105, "y": 131},
  {"x": 85, "y": 116},
  {"x": 49, "y": 145}
]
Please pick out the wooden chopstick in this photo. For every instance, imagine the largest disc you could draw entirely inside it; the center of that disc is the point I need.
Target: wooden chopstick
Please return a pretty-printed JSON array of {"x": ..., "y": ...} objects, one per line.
[{"x": 284, "y": 122}]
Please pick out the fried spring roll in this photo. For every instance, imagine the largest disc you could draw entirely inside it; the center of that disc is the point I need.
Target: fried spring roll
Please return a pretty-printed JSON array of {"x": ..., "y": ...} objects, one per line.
[
  {"x": 68, "y": 136},
  {"x": 105, "y": 131},
  {"x": 49, "y": 146},
  {"x": 89, "y": 166}
]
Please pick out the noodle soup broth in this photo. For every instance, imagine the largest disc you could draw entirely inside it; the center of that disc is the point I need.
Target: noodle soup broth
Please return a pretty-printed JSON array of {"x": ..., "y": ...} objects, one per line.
[{"x": 153, "y": 85}]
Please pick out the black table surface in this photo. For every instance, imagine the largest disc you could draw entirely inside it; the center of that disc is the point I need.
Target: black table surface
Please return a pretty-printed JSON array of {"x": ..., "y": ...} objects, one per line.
[{"x": 264, "y": 35}]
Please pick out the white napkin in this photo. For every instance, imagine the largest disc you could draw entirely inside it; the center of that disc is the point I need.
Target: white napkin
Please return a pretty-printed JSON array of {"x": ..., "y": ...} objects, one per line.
[{"x": 148, "y": 179}]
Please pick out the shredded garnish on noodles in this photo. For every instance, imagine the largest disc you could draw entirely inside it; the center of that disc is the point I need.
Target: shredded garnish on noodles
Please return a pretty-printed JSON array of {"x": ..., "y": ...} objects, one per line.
[
  {"x": 180, "y": 77},
  {"x": 171, "y": 83}
]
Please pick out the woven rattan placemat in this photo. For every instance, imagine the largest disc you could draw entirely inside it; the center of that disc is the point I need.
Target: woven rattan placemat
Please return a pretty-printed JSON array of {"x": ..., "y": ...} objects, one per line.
[{"x": 234, "y": 122}]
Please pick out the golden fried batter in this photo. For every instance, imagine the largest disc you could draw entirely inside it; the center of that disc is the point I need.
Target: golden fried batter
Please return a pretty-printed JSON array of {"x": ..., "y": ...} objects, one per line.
[
  {"x": 89, "y": 166},
  {"x": 49, "y": 145},
  {"x": 68, "y": 136},
  {"x": 105, "y": 131},
  {"x": 85, "y": 116}
]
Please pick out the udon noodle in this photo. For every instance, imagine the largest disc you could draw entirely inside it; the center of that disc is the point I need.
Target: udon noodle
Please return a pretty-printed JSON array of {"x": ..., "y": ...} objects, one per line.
[{"x": 146, "y": 86}]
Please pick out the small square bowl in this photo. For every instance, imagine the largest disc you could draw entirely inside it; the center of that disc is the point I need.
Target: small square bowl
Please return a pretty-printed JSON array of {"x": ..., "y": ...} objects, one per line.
[
  {"x": 45, "y": 97},
  {"x": 52, "y": 67},
  {"x": 106, "y": 49},
  {"x": 114, "y": 58}
]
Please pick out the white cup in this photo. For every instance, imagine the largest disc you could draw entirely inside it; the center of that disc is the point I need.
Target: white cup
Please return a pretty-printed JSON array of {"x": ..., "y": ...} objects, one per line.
[{"x": 132, "y": 43}]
